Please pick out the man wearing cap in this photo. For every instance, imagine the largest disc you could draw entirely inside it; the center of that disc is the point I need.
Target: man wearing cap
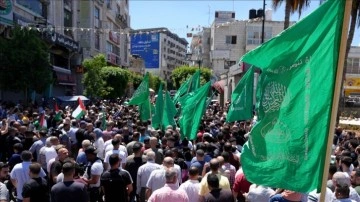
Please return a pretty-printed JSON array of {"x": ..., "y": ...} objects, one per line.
[{"x": 92, "y": 174}]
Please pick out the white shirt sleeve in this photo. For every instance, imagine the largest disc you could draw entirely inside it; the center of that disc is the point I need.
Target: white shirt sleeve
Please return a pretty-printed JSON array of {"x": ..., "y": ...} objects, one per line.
[{"x": 97, "y": 168}]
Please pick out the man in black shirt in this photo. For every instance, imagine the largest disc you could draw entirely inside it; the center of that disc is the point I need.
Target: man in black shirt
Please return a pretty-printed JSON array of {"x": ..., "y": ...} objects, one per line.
[
  {"x": 116, "y": 183},
  {"x": 68, "y": 190},
  {"x": 133, "y": 163},
  {"x": 36, "y": 189}
]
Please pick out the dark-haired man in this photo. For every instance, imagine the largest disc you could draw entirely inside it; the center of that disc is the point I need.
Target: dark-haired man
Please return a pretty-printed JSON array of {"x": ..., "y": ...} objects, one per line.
[
  {"x": 116, "y": 183},
  {"x": 217, "y": 194},
  {"x": 355, "y": 179},
  {"x": 60, "y": 191},
  {"x": 36, "y": 189},
  {"x": 4, "y": 192},
  {"x": 20, "y": 173},
  {"x": 192, "y": 186}
]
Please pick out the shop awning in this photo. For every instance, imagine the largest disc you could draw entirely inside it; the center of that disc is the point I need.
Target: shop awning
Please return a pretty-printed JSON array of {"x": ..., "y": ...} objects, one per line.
[{"x": 72, "y": 98}]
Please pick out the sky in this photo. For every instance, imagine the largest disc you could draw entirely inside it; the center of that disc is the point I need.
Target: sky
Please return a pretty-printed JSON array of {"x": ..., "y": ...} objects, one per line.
[{"x": 180, "y": 16}]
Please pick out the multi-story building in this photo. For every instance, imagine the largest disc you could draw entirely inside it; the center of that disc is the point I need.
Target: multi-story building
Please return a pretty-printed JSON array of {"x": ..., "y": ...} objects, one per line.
[
  {"x": 106, "y": 26},
  {"x": 352, "y": 77},
  {"x": 200, "y": 48},
  {"x": 161, "y": 50},
  {"x": 55, "y": 22}
]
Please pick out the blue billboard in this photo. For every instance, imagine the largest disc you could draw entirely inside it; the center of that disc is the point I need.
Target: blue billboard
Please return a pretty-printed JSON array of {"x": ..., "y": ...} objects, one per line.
[{"x": 146, "y": 45}]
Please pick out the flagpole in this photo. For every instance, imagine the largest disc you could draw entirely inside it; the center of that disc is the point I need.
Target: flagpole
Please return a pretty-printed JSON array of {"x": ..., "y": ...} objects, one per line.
[{"x": 335, "y": 102}]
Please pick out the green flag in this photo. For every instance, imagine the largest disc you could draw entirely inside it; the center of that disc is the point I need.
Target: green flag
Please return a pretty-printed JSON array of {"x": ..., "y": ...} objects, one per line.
[
  {"x": 287, "y": 147},
  {"x": 169, "y": 112},
  {"x": 142, "y": 92},
  {"x": 145, "y": 110},
  {"x": 182, "y": 90},
  {"x": 192, "y": 111},
  {"x": 158, "y": 113},
  {"x": 241, "y": 107},
  {"x": 194, "y": 82}
]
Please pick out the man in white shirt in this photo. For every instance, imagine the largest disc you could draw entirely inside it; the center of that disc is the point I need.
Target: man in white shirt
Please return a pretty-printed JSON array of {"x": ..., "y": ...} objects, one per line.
[
  {"x": 143, "y": 174},
  {"x": 157, "y": 177},
  {"x": 92, "y": 173},
  {"x": 122, "y": 155},
  {"x": 108, "y": 146},
  {"x": 20, "y": 173},
  {"x": 192, "y": 186}
]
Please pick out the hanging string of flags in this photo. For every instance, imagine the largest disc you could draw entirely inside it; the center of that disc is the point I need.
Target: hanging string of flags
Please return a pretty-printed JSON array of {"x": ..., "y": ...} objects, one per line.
[{"x": 188, "y": 30}]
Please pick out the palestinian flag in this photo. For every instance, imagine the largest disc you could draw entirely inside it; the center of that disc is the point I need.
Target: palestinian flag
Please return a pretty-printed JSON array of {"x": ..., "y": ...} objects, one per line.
[
  {"x": 43, "y": 122},
  {"x": 57, "y": 113},
  {"x": 80, "y": 110}
]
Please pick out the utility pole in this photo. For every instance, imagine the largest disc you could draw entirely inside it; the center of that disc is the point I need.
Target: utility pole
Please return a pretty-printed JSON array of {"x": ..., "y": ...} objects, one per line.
[{"x": 263, "y": 23}]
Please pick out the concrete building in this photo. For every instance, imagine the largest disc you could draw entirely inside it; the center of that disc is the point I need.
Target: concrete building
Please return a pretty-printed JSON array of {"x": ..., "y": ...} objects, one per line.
[
  {"x": 352, "y": 77},
  {"x": 200, "y": 48},
  {"x": 106, "y": 26},
  {"x": 55, "y": 22},
  {"x": 160, "y": 49}
]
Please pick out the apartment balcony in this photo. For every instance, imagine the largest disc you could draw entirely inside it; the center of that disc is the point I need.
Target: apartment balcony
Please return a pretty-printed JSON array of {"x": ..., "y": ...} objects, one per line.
[
  {"x": 122, "y": 20},
  {"x": 113, "y": 59}
]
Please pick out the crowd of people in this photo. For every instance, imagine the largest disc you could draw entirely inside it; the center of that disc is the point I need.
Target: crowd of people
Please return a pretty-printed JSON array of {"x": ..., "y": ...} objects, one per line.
[{"x": 110, "y": 155}]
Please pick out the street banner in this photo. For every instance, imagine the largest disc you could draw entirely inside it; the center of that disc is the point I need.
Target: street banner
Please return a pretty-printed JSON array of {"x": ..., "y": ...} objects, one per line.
[
  {"x": 241, "y": 107},
  {"x": 287, "y": 147},
  {"x": 192, "y": 111}
]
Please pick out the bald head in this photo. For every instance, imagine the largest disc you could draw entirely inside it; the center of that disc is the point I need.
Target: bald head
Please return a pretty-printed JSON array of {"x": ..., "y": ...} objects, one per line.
[
  {"x": 168, "y": 162},
  {"x": 150, "y": 156},
  {"x": 214, "y": 165}
]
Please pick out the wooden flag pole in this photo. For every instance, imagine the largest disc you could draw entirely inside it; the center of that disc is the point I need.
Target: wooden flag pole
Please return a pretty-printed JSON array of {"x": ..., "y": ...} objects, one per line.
[{"x": 336, "y": 96}]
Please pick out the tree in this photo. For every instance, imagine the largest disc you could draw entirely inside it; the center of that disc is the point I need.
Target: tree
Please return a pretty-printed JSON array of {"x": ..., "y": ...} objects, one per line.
[
  {"x": 154, "y": 82},
  {"x": 116, "y": 81},
  {"x": 291, "y": 7},
  {"x": 93, "y": 82},
  {"x": 180, "y": 74},
  {"x": 135, "y": 79},
  {"x": 24, "y": 62}
]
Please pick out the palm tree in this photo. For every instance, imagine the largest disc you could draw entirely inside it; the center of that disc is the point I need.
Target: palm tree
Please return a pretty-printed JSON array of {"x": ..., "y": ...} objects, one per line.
[
  {"x": 355, "y": 16},
  {"x": 291, "y": 7}
]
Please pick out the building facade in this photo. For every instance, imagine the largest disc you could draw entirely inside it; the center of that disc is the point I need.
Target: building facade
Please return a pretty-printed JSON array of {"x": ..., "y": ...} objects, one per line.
[
  {"x": 161, "y": 50},
  {"x": 352, "y": 77}
]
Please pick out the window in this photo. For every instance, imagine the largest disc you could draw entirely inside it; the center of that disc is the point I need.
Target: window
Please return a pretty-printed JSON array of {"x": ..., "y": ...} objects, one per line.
[
  {"x": 254, "y": 34},
  {"x": 33, "y": 5},
  {"x": 109, "y": 47},
  {"x": 353, "y": 66},
  {"x": 68, "y": 22},
  {"x": 97, "y": 13},
  {"x": 97, "y": 41},
  {"x": 230, "y": 39},
  {"x": 228, "y": 64}
]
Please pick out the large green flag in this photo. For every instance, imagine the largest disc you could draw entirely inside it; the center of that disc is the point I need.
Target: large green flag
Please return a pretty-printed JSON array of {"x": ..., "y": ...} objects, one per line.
[
  {"x": 159, "y": 105},
  {"x": 192, "y": 111},
  {"x": 182, "y": 90},
  {"x": 241, "y": 107},
  {"x": 287, "y": 147},
  {"x": 169, "y": 112},
  {"x": 145, "y": 110},
  {"x": 194, "y": 82},
  {"x": 142, "y": 92}
]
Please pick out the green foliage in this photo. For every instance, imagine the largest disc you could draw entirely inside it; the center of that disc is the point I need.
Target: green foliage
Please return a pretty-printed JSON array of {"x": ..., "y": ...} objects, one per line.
[
  {"x": 92, "y": 80},
  {"x": 154, "y": 82},
  {"x": 24, "y": 62},
  {"x": 116, "y": 81},
  {"x": 135, "y": 79},
  {"x": 181, "y": 74}
]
